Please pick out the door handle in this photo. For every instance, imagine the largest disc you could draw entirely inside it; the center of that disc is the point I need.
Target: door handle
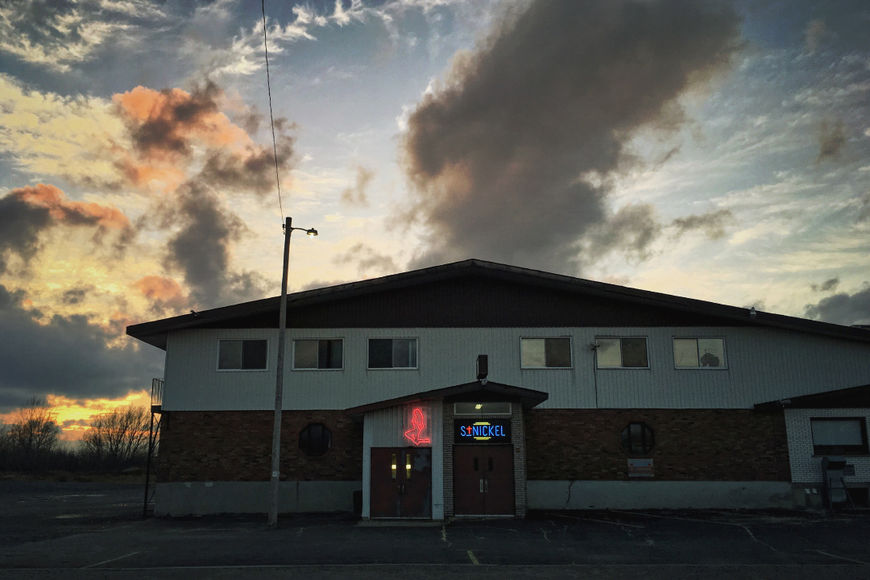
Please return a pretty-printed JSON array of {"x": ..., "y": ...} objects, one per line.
[{"x": 485, "y": 486}]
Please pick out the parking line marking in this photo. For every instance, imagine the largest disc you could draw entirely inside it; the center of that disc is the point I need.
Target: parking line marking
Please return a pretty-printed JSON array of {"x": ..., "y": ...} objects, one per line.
[
  {"x": 110, "y": 560},
  {"x": 843, "y": 558},
  {"x": 472, "y": 558}
]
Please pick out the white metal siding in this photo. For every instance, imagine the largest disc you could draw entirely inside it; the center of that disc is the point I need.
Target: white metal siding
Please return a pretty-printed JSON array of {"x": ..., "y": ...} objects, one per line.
[
  {"x": 762, "y": 365},
  {"x": 385, "y": 428}
]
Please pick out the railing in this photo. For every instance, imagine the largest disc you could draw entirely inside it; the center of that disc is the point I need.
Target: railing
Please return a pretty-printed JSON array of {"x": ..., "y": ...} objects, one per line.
[{"x": 156, "y": 394}]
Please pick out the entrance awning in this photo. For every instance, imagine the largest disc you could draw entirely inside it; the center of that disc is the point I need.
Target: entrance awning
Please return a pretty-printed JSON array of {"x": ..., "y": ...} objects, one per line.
[{"x": 473, "y": 391}]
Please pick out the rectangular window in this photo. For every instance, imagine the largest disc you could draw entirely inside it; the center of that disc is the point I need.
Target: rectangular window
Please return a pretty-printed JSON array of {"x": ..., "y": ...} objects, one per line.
[
  {"x": 317, "y": 354},
  {"x": 392, "y": 353},
  {"x": 618, "y": 353},
  {"x": 236, "y": 355},
  {"x": 482, "y": 408},
  {"x": 846, "y": 436},
  {"x": 694, "y": 353},
  {"x": 536, "y": 353}
]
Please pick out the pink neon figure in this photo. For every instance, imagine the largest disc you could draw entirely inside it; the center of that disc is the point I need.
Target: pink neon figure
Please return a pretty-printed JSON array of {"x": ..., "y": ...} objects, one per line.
[{"x": 418, "y": 424}]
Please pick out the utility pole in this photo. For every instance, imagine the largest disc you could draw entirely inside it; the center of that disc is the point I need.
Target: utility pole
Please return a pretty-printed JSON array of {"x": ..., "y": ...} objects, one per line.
[{"x": 279, "y": 383}]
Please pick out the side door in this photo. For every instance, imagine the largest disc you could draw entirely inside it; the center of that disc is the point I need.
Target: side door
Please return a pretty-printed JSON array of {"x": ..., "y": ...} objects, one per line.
[{"x": 401, "y": 482}]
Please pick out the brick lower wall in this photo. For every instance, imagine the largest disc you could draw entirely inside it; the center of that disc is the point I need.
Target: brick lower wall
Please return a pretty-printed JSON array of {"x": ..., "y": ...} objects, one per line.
[
  {"x": 690, "y": 444},
  {"x": 236, "y": 446}
]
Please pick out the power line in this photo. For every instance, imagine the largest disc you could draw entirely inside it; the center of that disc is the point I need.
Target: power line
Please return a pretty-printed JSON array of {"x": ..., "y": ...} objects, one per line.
[{"x": 271, "y": 115}]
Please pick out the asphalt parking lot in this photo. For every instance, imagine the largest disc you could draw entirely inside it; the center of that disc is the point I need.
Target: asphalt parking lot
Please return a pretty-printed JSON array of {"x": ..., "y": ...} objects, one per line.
[{"x": 70, "y": 530}]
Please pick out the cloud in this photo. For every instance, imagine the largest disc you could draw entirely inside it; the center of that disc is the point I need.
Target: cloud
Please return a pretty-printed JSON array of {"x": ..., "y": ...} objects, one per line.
[
  {"x": 57, "y": 34},
  {"x": 827, "y": 285},
  {"x": 842, "y": 308},
  {"x": 712, "y": 224},
  {"x": 75, "y": 295},
  {"x": 26, "y": 211},
  {"x": 831, "y": 139},
  {"x": 251, "y": 170},
  {"x": 815, "y": 32},
  {"x": 175, "y": 133},
  {"x": 165, "y": 124},
  {"x": 47, "y": 134},
  {"x": 66, "y": 355},
  {"x": 631, "y": 230},
  {"x": 202, "y": 247},
  {"x": 20, "y": 224},
  {"x": 509, "y": 155},
  {"x": 864, "y": 212},
  {"x": 71, "y": 212},
  {"x": 366, "y": 259},
  {"x": 357, "y": 195},
  {"x": 165, "y": 294}
]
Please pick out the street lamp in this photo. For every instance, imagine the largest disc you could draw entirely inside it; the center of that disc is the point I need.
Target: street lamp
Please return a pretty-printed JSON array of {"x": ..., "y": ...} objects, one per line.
[{"x": 279, "y": 370}]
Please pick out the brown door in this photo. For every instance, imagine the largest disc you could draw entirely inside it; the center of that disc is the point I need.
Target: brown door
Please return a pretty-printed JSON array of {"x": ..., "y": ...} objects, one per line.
[
  {"x": 483, "y": 480},
  {"x": 401, "y": 482}
]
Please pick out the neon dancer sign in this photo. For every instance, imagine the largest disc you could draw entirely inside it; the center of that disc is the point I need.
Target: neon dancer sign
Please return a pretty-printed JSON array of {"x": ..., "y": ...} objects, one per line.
[{"x": 418, "y": 429}]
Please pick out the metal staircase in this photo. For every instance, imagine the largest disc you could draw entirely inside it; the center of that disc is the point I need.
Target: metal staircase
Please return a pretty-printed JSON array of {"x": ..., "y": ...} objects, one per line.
[{"x": 153, "y": 438}]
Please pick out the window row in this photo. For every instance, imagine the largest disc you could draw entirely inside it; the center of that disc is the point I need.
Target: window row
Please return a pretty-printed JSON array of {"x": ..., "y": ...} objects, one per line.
[
  {"x": 384, "y": 353},
  {"x": 535, "y": 353},
  {"x": 623, "y": 352}
]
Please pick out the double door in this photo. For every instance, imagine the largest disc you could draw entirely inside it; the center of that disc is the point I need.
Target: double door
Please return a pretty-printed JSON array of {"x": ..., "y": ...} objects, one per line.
[
  {"x": 483, "y": 480},
  {"x": 401, "y": 482}
]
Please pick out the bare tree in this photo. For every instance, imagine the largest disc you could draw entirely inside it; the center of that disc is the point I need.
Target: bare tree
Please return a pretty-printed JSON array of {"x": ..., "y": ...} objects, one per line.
[
  {"x": 119, "y": 437},
  {"x": 33, "y": 434}
]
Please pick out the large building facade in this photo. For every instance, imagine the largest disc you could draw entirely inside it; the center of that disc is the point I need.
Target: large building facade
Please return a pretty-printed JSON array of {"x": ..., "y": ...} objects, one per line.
[{"x": 477, "y": 388}]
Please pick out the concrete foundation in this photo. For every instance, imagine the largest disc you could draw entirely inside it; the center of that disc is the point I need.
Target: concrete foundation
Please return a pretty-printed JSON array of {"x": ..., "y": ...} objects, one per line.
[
  {"x": 215, "y": 497},
  {"x": 577, "y": 494}
]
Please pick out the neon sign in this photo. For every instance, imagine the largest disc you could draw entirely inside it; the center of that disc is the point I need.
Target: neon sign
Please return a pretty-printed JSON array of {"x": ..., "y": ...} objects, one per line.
[
  {"x": 491, "y": 430},
  {"x": 418, "y": 428}
]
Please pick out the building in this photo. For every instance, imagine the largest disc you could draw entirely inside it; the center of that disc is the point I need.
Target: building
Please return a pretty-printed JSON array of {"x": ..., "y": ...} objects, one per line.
[{"x": 477, "y": 388}]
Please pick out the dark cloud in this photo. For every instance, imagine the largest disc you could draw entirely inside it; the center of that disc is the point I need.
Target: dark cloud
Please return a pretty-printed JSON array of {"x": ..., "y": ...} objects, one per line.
[
  {"x": 712, "y": 224},
  {"x": 357, "y": 194},
  {"x": 202, "y": 249},
  {"x": 367, "y": 260},
  {"x": 172, "y": 120},
  {"x": 815, "y": 32},
  {"x": 75, "y": 295},
  {"x": 842, "y": 308},
  {"x": 510, "y": 156},
  {"x": 631, "y": 230},
  {"x": 20, "y": 224},
  {"x": 67, "y": 356},
  {"x": 831, "y": 140},
  {"x": 826, "y": 286},
  {"x": 252, "y": 171},
  {"x": 26, "y": 211}
]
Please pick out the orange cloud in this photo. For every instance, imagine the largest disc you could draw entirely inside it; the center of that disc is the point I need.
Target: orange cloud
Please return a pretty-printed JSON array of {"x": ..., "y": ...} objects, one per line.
[
  {"x": 165, "y": 123},
  {"x": 74, "y": 212},
  {"x": 162, "y": 291}
]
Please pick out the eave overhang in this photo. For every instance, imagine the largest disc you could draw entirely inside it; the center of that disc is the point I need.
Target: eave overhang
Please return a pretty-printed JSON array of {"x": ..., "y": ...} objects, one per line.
[
  {"x": 473, "y": 391},
  {"x": 850, "y": 398}
]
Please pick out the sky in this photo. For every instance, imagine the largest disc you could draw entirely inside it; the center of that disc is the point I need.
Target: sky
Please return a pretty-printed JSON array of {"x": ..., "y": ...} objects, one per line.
[{"x": 715, "y": 150}]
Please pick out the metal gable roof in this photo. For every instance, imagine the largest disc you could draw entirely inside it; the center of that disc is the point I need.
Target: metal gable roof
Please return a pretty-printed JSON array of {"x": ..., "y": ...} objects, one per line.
[{"x": 155, "y": 332}]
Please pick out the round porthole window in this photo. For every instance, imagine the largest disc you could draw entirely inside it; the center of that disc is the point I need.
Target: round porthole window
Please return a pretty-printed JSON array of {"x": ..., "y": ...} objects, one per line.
[
  {"x": 315, "y": 439},
  {"x": 638, "y": 438}
]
